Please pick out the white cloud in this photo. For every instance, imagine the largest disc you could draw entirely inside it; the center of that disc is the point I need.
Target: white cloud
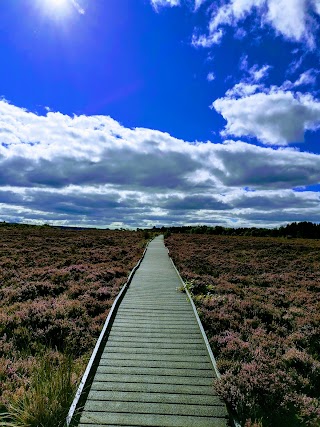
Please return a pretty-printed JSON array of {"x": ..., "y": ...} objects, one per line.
[
  {"x": 164, "y": 3},
  {"x": 308, "y": 78},
  {"x": 257, "y": 74},
  {"x": 242, "y": 89},
  {"x": 91, "y": 171},
  {"x": 274, "y": 116},
  {"x": 316, "y": 5},
  {"x": 289, "y": 18},
  {"x": 244, "y": 64},
  {"x": 292, "y": 19},
  {"x": 297, "y": 62},
  {"x": 198, "y": 4},
  {"x": 253, "y": 76},
  {"x": 207, "y": 41},
  {"x": 211, "y": 76}
]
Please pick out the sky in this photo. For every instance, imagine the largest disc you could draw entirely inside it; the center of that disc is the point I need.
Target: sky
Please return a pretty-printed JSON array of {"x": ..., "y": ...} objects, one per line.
[{"x": 142, "y": 113}]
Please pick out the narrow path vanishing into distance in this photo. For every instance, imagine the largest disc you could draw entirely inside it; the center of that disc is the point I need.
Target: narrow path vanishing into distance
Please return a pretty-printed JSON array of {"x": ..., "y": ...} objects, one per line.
[{"x": 155, "y": 368}]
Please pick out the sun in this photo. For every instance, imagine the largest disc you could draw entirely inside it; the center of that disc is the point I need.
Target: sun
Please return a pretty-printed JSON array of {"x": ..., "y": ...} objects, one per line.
[
  {"x": 58, "y": 4},
  {"x": 58, "y": 8}
]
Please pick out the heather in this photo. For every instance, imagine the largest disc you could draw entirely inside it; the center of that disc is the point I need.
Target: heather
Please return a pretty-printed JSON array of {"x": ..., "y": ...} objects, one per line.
[
  {"x": 258, "y": 299},
  {"x": 56, "y": 289}
]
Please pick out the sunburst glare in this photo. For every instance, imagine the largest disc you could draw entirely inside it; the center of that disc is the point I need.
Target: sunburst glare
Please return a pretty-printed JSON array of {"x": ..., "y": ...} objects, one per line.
[{"x": 60, "y": 8}]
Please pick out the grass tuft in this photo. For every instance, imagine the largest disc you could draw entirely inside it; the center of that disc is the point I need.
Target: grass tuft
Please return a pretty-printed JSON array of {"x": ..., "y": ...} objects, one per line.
[{"x": 46, "y": 402}]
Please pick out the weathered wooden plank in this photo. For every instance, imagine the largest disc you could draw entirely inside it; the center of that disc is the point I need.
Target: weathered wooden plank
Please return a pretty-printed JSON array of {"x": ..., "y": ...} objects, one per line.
[
  {"x": 154, "y": 330},
  {"x": 163, "y": 322},
  {"x": 148, "y": 315},
  {"x": 137, "y": 396},
  {"x": 152, "y": 356},
  {"x": 156, "y": 363},
  {"x": 160, "y": 340},
  {"x": 154, "y": 379},
  {"x": 190, "y": 389},
  {"x": 168, "y": 372},
  {"x": 155, "y": 345},
  {"x": 158, "y": 334},
  {"x": 155, "y": 408},
  {"x": 156, "y": 309},
  {"x": 163, "y": 351},
  {"x": 152, "y": 420},
  {"x": 157, "y": 305}
]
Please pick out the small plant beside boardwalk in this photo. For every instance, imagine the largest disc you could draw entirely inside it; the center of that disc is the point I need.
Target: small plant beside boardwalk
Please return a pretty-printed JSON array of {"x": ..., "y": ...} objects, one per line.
[
  {"x": 56, "y": 289},
  {"x": 258, "y": 299},
  {"x": 46, "y": 401}
]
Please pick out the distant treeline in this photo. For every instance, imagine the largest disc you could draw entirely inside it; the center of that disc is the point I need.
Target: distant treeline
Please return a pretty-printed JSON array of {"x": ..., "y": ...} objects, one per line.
[{"x": 305, "y": 229}]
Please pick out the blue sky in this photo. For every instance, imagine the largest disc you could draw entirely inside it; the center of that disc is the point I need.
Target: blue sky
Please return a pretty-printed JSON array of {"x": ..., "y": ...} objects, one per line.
[{"x": 134, "y": 113}]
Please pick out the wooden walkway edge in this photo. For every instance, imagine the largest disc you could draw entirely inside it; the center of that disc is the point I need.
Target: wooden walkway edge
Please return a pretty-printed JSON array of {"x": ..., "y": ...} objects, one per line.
[{"x": 155, "y": 367}]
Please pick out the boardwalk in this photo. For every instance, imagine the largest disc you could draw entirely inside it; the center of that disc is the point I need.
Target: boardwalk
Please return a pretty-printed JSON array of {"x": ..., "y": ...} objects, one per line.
[{"x": 155, "y": 369}]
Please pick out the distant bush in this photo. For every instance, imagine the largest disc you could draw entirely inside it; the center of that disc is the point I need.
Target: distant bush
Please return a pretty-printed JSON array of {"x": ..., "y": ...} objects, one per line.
[{"x": 146, "y": 235}]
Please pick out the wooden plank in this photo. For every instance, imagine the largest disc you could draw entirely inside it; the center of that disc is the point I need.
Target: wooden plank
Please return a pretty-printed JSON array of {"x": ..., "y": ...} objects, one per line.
[
  {"x": 156, "y": 363},
  {"x": 165, "y": 322},
  {"x": 155, "y": 408},
  {"x": 152, "y": 356},
  {"x": 167, "y": 372},
  {"x": 156, "y": 309},
  {"x": 160, "y": 340},
  {"x": 152, "y": 420},
  {"x": 156, "y": 326},
  {"x": 155, "y": 345},
  {"x": 158, "y": 334},
  {"x": 191, "y": 389},
  {"x": 154, "y": 329},
  {"x": 137, "y": 396},
  {"x": 162, "y": 351},
  {"x": 154, "y": 379}
]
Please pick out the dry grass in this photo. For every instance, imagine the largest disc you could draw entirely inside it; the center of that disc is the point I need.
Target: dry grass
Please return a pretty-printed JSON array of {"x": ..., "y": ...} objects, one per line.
[{"x": 45, "y": 403}]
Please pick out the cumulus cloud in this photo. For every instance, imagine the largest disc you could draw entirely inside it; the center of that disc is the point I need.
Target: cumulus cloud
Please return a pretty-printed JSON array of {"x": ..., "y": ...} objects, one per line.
[
  {"x": 91, "y": 171},
  {"x": 292, "y": 19},
  {"x": 246, "y": 165},
  {"x": 273, "y": 115}
]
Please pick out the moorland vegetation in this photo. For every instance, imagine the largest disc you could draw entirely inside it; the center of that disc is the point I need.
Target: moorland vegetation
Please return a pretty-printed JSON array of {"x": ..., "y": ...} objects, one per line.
[
  {"x": 258, "y": 299},
  {"x": 56, "y": 288}
]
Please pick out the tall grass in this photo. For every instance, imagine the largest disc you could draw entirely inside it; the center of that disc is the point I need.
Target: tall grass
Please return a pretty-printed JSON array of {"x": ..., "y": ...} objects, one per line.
[{"x": 46, "y": 402}]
